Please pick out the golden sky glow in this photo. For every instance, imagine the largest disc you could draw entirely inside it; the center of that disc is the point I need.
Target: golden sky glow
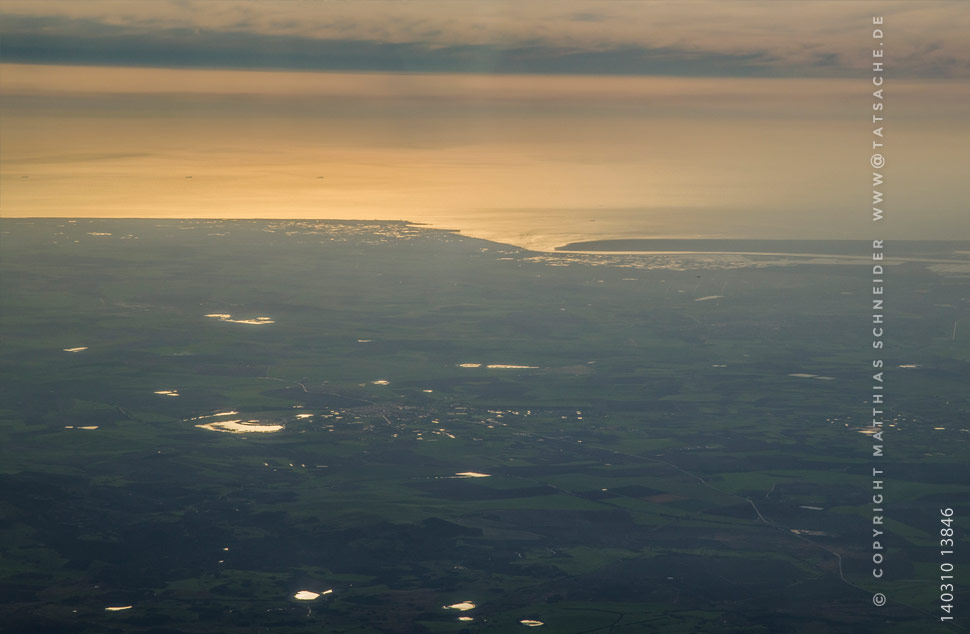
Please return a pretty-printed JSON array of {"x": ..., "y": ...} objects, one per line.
[{"x": 530, "y": 158}]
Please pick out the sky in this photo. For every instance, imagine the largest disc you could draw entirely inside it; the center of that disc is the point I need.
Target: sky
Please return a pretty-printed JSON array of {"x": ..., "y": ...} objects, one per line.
[{"x": 533, "y": 123}]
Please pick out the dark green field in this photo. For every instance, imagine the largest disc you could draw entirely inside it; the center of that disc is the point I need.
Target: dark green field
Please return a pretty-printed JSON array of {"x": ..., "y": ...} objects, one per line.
[{"x": 654, "y": 467}]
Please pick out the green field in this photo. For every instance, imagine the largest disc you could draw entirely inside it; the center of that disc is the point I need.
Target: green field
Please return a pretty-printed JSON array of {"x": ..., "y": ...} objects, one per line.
[{"x": 650, "y": 462}]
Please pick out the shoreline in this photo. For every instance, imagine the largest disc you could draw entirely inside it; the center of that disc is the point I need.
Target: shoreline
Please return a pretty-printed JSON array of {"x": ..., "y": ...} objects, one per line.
[{"x": 567, "y": 244}]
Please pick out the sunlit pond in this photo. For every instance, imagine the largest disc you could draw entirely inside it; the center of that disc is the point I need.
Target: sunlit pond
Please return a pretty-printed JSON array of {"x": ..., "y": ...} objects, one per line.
[
  {"x": 237, "y": 425},
  {"x": 240, "y": 427},
  {"x": 498, "y": 366},
  {"x": 502, "y": 366},
  {"x": 257, "y": 321}
]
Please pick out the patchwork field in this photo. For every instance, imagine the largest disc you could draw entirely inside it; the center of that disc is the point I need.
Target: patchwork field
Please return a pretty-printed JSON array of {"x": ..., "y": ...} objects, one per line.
[{"x": 202, "y": 419}]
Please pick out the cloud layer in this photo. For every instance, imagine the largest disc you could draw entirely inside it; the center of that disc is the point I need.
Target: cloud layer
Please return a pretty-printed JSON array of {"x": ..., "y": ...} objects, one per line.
[{"x": 700, "y": 38}]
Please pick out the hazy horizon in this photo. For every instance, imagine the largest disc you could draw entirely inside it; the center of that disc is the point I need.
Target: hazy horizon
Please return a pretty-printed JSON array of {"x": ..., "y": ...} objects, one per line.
[{"x": 530, "y": 125}]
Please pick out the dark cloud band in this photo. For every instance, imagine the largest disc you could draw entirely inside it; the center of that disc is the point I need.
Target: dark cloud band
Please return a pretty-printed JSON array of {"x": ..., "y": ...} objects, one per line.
[{"x": 54, "y": 40}]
